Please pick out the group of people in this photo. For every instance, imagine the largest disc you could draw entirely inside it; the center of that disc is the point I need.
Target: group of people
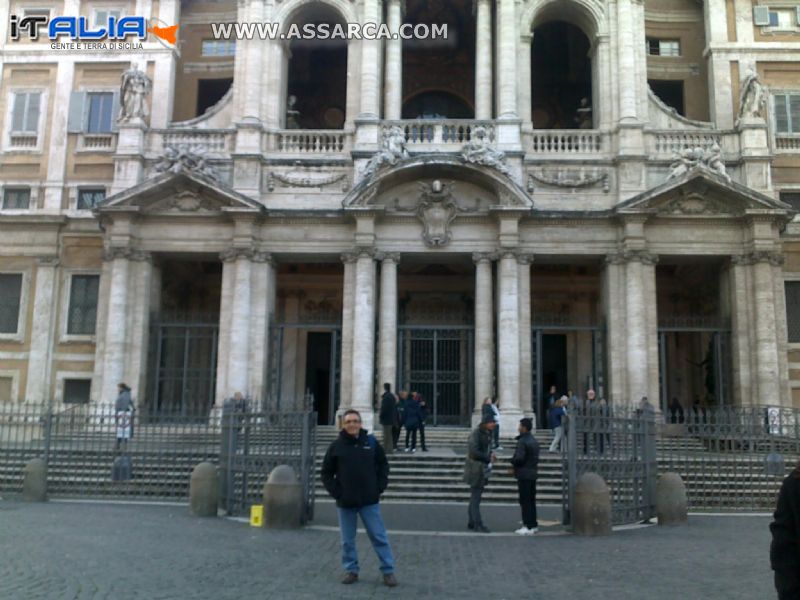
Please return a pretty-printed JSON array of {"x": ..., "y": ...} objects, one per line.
[{"x": 406, "y": 409}]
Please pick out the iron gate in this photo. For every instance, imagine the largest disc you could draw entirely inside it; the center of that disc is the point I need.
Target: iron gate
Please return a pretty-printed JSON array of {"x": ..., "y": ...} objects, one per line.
[
  {"x": 183, "y": 367},
  {"x": 438, "y": 363}
]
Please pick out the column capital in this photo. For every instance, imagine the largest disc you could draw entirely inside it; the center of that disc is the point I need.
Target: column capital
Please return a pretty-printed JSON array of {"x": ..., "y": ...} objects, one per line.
[
  {"x": 626, "y": 256},
  {"x": 776, "y": 259},
  {"x": 388, "y": 256},
  {"x": 482, "y": 257},
  {"x": 48, "y": 261},
  {"x": 233, "y": 254},
  {"x": 127, "y": 253},
  {"x": 263, "y": 257},
  {"x": 349, "y": 257},
  {"x": 507, "y": 253},
  {"x": 525, "y": 258}
]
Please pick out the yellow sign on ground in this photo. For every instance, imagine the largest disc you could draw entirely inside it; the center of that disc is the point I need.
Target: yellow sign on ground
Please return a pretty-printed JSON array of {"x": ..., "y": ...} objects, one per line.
[{"x": 257, "y": 515}]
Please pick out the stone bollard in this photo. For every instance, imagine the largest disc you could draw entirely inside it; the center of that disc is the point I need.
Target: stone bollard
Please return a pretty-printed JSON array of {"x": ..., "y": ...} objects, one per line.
[
  {"x": 592, "y": 509},
  {"x": 283, "y": 499},
  {"x": 204, "y": 490},
  {"x": 34, "y": 486},
  {"x": 672, "y": 505}
]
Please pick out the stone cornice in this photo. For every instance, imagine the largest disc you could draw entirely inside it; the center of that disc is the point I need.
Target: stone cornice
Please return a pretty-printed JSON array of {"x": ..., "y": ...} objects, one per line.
[{"x": 776, "y": 259}]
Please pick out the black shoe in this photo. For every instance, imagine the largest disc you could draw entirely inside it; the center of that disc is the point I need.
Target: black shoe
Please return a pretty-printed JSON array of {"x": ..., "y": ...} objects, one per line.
[
  {"x": 470, "y": 525},
  {"x": 424, "y": 449},
  {"x": 390, "y": 580},
  {"x": 482, "y": 529},
  {"x": 349, "y": 577}
]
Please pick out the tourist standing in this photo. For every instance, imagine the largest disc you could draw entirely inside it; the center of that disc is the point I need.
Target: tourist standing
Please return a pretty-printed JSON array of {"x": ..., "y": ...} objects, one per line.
[
  {"x": 526, "y": 471},
  {"x": 123, "y": 409},
  {"x": 549, "y": 402},
  {"x": 423, "y": 414},
  {"x": 557, "y": 425},
  {"x": 784, "y": 551},
  {"x": 411, "y": 421},
  {"x": 477, "y": 468},
  {"x": 355, "y": 472},
  {"x": 387, "y": 416}
]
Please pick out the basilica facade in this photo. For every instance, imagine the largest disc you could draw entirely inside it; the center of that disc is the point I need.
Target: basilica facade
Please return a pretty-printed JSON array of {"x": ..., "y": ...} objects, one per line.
[{"x": 570, "y": 193}]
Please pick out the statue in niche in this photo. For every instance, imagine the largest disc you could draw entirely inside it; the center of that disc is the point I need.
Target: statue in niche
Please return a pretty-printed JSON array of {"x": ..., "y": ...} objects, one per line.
[
  {"x": 135, "y": 88},
  {"x": 753, "y": 97},
  {"x": 292, "y": 114},
  {"x": 436, "y": 210}
]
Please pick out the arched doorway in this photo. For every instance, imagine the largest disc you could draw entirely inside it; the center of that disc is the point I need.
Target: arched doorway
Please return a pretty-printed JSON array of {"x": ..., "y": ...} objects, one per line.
[
  {"x": 316, "y": 95},
  {"x": 561, "y": 77},
  {"x": 436, "y": 105}
]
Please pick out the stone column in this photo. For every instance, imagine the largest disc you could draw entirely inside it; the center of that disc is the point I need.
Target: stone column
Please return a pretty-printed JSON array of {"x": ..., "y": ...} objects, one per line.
[
  {"x": 782, "y": 330},
  {"x": 164, "y": 73},
  {"x": 743, "y": 364},
  {"x": 40, "y": 356},
  {"x": 524, "y": 90},
  {"x": 626, "y": 61},
  {"x": 508, "y": 341},
  {"x": 507, "y": 59},
  {"x": 348, "y": 298},
  {"x": 393, "y": 85},
  {"x": 614, "y": 301},
  {"x": 363, "y": 377},
  {"x": 57, "y": 129},
  {"x": 262, "y": 307},
  {"x": 370, "y": 65},
  {"x": 719, "y": 67},
  {"x": 768, "y": 373},
  {"x": 484, "y": 330},
  {"x": 140, "y": 277},
  {"x": 483, "y": 61},
  {"x": 525, "y": 348},
  {"x": 239, "y": 345},
  {"x": 639, "y": 346},
  {"x": 387, "y": 360},
  {"x": 116, "y": 330}
]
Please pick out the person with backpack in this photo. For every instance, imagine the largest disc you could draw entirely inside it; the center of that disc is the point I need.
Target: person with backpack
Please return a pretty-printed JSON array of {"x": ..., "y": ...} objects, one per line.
[
  {"x": 355, "y": 472},
  {"x": 784, "y": 551}
]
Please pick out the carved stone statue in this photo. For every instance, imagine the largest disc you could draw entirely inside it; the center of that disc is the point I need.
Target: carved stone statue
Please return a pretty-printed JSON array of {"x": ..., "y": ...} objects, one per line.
[
  {"x": 135, "y": 88},
  {"x": 393, "y": 149},
  {"x": 479, "y": 152},
  {"x": 292, "y": 114},
  {"x": 436, "y": 210},
  {"x": 753, "y": 97},
  {"x": 583, "y": 115},
  {"x": 698, "y": 158},
  {"x": 181, "y": 159}
]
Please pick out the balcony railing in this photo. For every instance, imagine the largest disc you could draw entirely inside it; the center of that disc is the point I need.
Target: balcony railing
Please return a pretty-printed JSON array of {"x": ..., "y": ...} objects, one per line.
[
  {"x": 789, "y": 144},
  {"x": 24, "y": 141},
  {"x": 568, "y": 141},
  {"x": 309, "y": 141},
  {"x": 440, "y": 134},
  {"x": 210, "y": 141},
  {"x": 97, "y": 142}
]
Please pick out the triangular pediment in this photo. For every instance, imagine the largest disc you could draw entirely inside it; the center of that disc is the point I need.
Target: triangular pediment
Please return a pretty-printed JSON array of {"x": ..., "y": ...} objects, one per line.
[
  {"x": 183, "y": 193},
  {"x": 702, "y": 193}
]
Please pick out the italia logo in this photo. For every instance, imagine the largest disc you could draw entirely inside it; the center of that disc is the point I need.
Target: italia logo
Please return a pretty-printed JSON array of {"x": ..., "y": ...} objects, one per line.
[{"x": 78, "y": 29}]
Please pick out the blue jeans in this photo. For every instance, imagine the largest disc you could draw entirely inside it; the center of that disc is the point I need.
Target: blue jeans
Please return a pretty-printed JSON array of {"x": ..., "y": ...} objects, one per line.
[{"x": 373, "y": 523}]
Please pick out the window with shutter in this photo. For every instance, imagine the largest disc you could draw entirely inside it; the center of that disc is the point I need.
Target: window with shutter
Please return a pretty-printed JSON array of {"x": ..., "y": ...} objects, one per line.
[
  {"x": 10, "y": 299},
  {"x": 25, "y": 117},
  {"x": 787, "y": 113},
  {"x": 100, "y": 109},
  {"x": 83, "y": 304},
  {"x": 89, "y": 198},
  {"x": 16, "y": 198}
]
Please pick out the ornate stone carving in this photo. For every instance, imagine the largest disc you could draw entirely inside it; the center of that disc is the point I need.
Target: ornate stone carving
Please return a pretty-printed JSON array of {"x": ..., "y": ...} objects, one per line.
[
  {"x": 525, "y": 258},
  {"x": 436, "y": 209},
  {"x": 263, "y": 257},
  {"x": 305, "y": 179},
  {"x": 775, "y": 259},
  {"x": 625, "y": 256},
  {"x": 752, "y": 98},
  {"x": 134, "y": 89},
  {"x": 393, "y": 150},
  {"x": 184, "y": 160},
  {"x": 349, "y": 257},
  {"x": 479, "y": 257},
  {"x": 232, "y": 254},
  {"x": 390, "y": 256},
  {"x": 478, "y": 151},
  {"x": 127, "y": 253},
  {"x": 569, "y": 178},
  {"x": 696, "y": 204},
  {"x": 689, "y": 159},
  {"x": 48, "y": 261}
]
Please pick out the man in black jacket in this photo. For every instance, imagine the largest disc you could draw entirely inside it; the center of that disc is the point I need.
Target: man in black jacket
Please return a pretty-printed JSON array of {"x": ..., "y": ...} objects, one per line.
[
  {"x": 784, "y": 552},
  {"x": 388, "y": 416},
  {"x": 355, "y": 472},
  {"x": 526, "y": 470}
]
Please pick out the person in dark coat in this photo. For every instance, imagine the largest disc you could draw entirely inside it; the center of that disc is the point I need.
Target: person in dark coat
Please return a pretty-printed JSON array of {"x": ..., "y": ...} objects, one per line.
[
  {"x": 355, "y": 472},
  {"x": 123, "y": 415},
  {"x": 400, "y": 416},
  {"x": 675, "y": 412},
  {"x": 784, "y": 551},
  {"x": 423, "y": 414},
  {"x": 549, "y": 402},
  {"x": 477, "y": 468},
  {"x": 387, "y": 416},
  {"x": 526, "y": 470},
  {"x": 486, "y": 408},
  {"x": 412, "y": 416}
]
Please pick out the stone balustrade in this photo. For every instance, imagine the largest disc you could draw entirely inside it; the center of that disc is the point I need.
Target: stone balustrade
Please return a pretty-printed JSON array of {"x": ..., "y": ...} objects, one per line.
[
  {"x": 440, "y": 134},
  {"x": 97, "y": 142},
  {"x": 212, "y": 141},
  {"x": 308, "y": 141},
  {"x": 666, "y": 143},
  {"x": 788, "y": 144},
  {"x": 567, "y": 142}
]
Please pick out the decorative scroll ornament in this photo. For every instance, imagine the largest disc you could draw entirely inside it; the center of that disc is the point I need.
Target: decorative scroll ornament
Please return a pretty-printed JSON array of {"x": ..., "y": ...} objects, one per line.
[
  {"x": 696, "y": 204},
  {"x": 393, "y": 149},
  {"x": 183, "y": 160},
  {"x": 478, "y": 151},
  {"x": 566, "y": 178},
  {"x": 305, "y": 179},
  {"x": 698, "y": 158},
  {"x": 436, "y": 210}
]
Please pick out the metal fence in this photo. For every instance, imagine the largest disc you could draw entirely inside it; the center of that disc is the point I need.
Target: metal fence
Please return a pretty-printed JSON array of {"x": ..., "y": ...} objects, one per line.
[
  {"x": 731, "y": 458},
  {"x": 254, "y": 443},
  {"x": 93, "y": 451},
  {"x": 620, "y": 446}
]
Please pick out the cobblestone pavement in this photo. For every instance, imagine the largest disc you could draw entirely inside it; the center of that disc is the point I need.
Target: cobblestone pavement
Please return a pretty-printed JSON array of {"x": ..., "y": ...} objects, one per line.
[{"x": 72, "y": 550}]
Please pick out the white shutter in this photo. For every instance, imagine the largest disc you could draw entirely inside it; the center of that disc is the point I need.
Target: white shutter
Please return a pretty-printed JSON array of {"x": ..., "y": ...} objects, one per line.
[
  {"x": 115, "y": 112},
  {"x": 75, "y": 121},
  {"x": 761, "y": 16},
  {"x": 18, "y": 114},
  {"x": 32, "y": 114},
  {"x": 797, "y": 15}
]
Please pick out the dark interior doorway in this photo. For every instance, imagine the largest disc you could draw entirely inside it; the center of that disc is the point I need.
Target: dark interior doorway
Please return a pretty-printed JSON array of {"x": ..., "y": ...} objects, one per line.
[
  {"x": 554, "y": 369},
  {"x": 211, "y": 91},
  {"x": 318, "y": 373}
]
